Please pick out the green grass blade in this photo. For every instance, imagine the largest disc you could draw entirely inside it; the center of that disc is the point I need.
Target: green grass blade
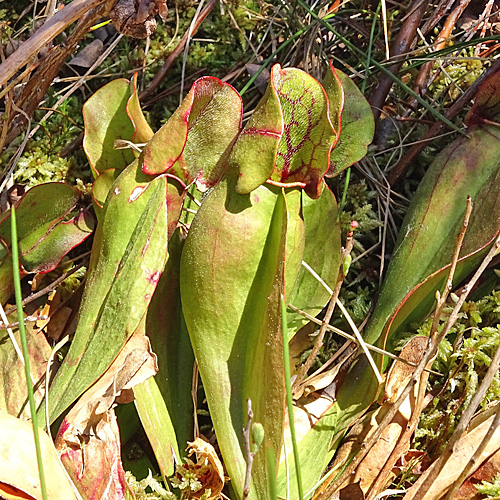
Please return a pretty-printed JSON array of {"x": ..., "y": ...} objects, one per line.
[
  {"x": 24, "y": 347},
  {"x": 370, "y": 47},
  {"x": 384, "y": 70},
  {"x": 289, "y": 400},
  {"x": 272, "y": 56}
]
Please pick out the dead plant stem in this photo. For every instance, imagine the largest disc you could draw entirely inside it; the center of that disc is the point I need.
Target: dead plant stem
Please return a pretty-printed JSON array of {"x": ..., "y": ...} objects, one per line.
[
  {"x": 326, "y": 320},
  {"x": 430, "y": 353},
  {"x": 462, "y": 427}
]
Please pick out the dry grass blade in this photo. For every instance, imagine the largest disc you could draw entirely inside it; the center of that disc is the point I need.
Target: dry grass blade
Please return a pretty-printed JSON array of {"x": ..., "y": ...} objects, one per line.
[
  {"x": 326, "y": 320},
  {"x": 56, "y": 25},
  {"x": 431, "y": 352},
  {"x": 460, "y": 430}
]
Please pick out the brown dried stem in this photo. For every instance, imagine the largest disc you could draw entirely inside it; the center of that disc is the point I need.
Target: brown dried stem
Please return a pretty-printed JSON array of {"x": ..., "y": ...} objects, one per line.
[
  {"x": 301, "y": 374},
  {"x": 429, "y": 355},
  {"x": 400, "y": 168},
  {"x": 49, "y": 66},
  {"x": 401, "y": 46},
  {"x": 422, "y": 81},
  {"x": 169, "y": 61},
  {"x": 56, "y": 25}
]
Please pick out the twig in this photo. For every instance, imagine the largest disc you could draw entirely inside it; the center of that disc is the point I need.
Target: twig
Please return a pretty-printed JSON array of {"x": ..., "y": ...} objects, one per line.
[
  {"x": 49, "y": 66},
  {"x": 48, "y": 288},
  {"x": 359, "y": 339},
  {"x": 352, "y": 338},
  {"x": 430, "y": 353},
  {"x": 401, "y": 45},
  {"x": 422, "y": 81},
  {"x": 169, "y": 61},
  {"x": 326, "y": 320},
  {"x": 247, "y": 449},
  {"x": 57, "y": 24},
  {"x": 400, "y": 168},
  {"x": 469, "y": 466}
]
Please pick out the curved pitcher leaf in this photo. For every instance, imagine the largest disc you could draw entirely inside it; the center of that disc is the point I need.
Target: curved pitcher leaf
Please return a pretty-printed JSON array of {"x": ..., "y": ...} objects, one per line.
[
  {"x": 486, "y": 102},
  {"x": 127, "y": 258},
  {"x": 40, "y": 205},
  {"x": 164, "y": 402},
  {"x": 195, "y": 142},
  {"x": 106, "y": 119},
  {"x": 45, "y": 237},
  {"x": 427, "y": 239},
  {"x": 420, "y": 264},
  {"x": 254, "y": 153},
  {"x": 142, "y": 130},
  {"x": 293, "y": 117},
  {"x": 357, "y": 125},
  {"x": 234, "y": 325},
  {"x": 322, "y": 253},
  {"x": 43, "y": 250},
  {"x": 101, "y": 187}
]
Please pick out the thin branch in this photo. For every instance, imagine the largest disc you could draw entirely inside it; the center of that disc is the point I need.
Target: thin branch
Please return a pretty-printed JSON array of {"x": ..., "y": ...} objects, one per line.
[
  {"x": 461, "y": 427},
  {"x": 301, "y": 374},
  {"x": 169, "y": 61},
  {"x": 409, "y": 158},
  {"x": 430, "y": 353},
  {"x": 48, "y": 288},
  {"x": 57, "y": 24},
  {"x": 401, "y": 46}
]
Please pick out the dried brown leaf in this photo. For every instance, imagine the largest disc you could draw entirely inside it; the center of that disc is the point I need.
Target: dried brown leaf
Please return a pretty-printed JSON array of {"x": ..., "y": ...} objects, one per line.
[
  {"x": 18, "y": 465},
  {"x": 213, "y": 478},
  {"x": 88, "y": 441},
  {"x": 13, "y": 391},
  {"x": 462, "y": 453}
]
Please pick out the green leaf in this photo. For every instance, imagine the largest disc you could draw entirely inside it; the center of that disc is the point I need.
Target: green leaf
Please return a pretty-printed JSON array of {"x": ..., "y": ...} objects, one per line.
[
  {"x": 291, "y": 129},
  {"x": 234, "y": 324},
  {"x": 195, "y": 142},
  {"x": 127, "y": 259},
  {"x": 164, "y": 402},
  {"x": 322, "y": 253},
  {"x": 427, "y": 239},
  {"x": 356, "y": 118},
  {"x": 44, "y": 236},
  {"x": 40, "y": 205},
  {"x": 106, "y": 119},
  {"x": 43, "y": 249},
  {"x": 142, "y": 130},
  {"x": 486, "y": 102},
  {"x": 419, "y": 266},
  {"x": 101, "y": 187}
]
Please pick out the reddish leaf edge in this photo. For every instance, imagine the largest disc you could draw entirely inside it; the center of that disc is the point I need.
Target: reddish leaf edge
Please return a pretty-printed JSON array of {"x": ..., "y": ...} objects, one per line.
[
  {"x": 221, "y": 84},
  {"x": 387, "y": 327}
]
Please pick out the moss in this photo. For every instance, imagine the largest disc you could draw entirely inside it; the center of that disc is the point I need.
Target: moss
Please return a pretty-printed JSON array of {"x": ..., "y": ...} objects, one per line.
[
  {"x": 491, "y": 490},
  {"x": 157, "y": 492},
  {"x": 464, "y": 358}
]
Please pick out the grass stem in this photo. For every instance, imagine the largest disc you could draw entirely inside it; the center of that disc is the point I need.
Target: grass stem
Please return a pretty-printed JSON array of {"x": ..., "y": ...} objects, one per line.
[{"x": 24, "y": 347}]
